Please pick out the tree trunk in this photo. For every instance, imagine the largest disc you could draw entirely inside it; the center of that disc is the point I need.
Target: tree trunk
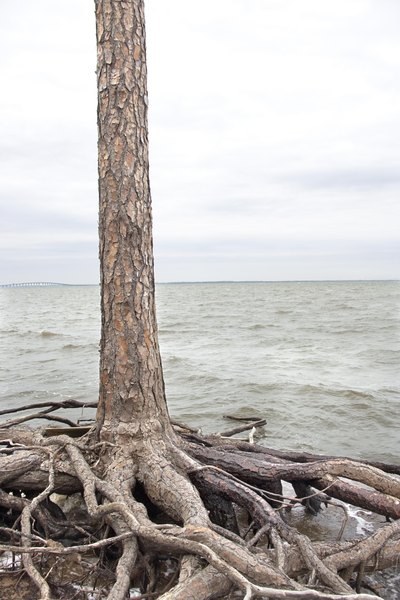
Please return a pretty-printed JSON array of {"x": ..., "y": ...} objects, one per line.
[
  {"x": 132, "y": 396},
  {"x": 139, "y": 481}
]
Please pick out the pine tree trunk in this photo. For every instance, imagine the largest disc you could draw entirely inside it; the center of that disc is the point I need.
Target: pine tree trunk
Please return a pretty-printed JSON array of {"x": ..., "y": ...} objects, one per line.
[{"x": 132, "y": 396}]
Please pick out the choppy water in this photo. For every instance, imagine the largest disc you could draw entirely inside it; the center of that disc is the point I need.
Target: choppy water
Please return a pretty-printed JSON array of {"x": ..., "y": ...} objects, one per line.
[{"x": 319, "y": 360}]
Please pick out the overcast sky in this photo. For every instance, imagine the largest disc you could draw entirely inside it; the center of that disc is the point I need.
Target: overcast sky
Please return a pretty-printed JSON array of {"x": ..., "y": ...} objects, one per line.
[{"x": 274, "y": 139}]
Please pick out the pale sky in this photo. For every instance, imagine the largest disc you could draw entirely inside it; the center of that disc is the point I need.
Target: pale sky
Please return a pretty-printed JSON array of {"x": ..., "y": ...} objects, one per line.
[{"x": 274, "y": 139}]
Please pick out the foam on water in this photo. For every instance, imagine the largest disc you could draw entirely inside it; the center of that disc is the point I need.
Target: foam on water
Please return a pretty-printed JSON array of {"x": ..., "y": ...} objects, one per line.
[{"x": 362, "y": 518}]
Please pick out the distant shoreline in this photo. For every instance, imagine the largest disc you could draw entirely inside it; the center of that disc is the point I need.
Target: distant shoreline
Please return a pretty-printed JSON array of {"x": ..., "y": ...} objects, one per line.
[{"x": 38, "y": 284}]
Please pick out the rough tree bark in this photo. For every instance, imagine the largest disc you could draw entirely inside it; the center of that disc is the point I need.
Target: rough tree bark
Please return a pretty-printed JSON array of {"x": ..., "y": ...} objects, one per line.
[
  {"x": 152, "y": 492},
  {"x": 132, "y": 397}
]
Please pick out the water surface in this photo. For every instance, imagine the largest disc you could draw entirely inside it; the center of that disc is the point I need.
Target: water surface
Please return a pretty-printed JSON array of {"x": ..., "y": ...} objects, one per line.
[{"x": 319, "y": 360}]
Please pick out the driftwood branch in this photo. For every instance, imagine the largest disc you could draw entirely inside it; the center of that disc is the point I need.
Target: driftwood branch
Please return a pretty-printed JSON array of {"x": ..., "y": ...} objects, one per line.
[
  {"x": 241, "y": 428},
  {"x": 51, "y": 404}
]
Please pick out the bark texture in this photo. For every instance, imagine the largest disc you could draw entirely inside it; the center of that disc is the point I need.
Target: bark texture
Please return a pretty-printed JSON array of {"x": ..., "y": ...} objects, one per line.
[{"x": 132, "y": 393}]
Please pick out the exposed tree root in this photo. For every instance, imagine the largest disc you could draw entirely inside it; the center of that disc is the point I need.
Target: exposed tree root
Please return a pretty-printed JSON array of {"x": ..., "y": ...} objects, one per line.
[{"x": 151, "y": 498}]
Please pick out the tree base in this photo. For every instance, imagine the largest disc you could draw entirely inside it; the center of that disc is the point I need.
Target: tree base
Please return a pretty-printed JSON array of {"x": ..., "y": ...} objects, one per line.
[{"x": 184, "y": 517}]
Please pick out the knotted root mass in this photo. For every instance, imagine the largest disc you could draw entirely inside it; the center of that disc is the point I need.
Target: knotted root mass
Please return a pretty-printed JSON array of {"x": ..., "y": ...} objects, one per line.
[{"x": 183, "y": 517}]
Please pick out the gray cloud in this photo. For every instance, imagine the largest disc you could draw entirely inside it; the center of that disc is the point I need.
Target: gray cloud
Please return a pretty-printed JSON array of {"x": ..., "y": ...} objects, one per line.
[
  {"x": 274, "y": 139},
  {"x": 369, "y": 178}
]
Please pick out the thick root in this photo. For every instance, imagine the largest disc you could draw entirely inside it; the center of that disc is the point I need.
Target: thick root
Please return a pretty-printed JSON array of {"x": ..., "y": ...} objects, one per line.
[{"x": 150, "y": 500}]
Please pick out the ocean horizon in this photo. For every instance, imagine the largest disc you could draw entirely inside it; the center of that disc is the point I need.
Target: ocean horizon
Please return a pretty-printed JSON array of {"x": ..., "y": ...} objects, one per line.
[
  {"x": 51, "y": 283},
  {"x": 319, "y": 360}
]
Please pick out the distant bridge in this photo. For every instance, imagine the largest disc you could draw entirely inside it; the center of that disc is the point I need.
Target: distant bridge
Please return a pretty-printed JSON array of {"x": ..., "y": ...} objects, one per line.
[{"x": 31, "y": 284}]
